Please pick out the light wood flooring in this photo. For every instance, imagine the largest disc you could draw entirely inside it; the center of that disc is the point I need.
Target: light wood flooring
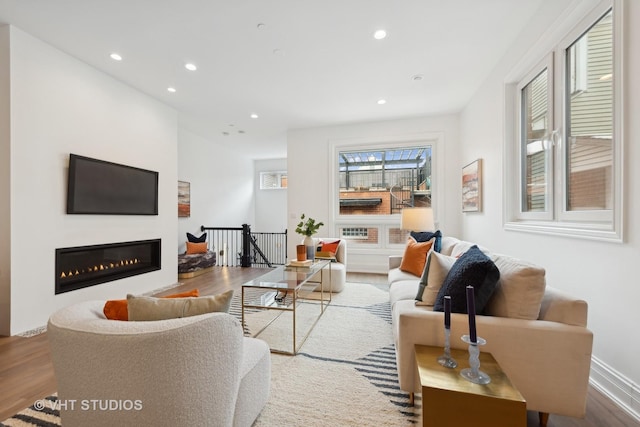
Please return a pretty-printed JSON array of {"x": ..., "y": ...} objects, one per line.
[{"x": 26, "y": 373}]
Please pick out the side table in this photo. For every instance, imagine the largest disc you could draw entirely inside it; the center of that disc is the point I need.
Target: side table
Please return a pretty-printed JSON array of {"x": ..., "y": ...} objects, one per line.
[{"x": 450, "y": 400}]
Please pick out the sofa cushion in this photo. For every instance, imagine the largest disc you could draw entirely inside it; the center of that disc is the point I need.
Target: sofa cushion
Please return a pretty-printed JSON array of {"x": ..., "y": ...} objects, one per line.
[
  {"x": 461, "y": 246},
  {"x": 396, "y": 275},
  {"x": 472, "y": 268},
  {"x": 403, "y": 290},
  {"x": 150, "y": 308},
  {"x": 415, "y": 256},
  {"x": 435, "y": 272},
  {"x": 425, "y": 236},
  {"x": 519, "y": 291}
]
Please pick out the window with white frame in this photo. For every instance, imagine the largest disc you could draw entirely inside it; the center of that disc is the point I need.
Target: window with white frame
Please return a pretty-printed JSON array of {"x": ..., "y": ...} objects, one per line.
[
  {"x": 373, "y": 182},
  {"x": 564, "y": 144},
  {"x": 273, "y": 180}
]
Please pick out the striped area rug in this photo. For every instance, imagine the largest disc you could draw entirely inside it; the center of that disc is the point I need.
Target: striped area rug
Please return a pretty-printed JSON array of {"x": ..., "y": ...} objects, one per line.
[{"x": 344, "y": 375}]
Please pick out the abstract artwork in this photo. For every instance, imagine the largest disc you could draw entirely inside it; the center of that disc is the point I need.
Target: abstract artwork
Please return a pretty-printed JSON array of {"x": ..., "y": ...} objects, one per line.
[
  {"x": 184, "y": 199},
  {"x": 472, "y": 187}
]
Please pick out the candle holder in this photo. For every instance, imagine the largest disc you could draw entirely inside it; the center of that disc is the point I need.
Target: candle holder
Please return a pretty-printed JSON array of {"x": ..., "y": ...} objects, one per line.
[
  {"x": 446, "y": 360},
  {"x": 473, "y": 373}
]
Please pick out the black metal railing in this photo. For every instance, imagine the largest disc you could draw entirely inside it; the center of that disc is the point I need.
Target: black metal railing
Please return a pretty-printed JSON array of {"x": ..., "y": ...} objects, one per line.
[{"x": 238, "y": 246}]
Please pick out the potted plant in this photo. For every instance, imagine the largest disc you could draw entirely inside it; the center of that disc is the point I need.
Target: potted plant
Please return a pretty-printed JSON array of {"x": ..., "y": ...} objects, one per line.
[{"x": 308, "y": 228}]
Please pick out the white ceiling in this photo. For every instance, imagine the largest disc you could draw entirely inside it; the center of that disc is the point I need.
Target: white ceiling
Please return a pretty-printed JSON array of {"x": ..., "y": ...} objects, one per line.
[{"x": 313, "y": 63}]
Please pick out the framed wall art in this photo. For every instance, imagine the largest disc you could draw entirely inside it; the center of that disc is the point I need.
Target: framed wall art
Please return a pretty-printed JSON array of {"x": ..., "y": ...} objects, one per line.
[
  {"x": 472, "y": 187},
  {"x": 184, "y": 199}
]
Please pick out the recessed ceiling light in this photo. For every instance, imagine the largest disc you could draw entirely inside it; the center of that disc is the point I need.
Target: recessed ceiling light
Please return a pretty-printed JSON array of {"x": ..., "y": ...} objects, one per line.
[
  {"x": 191, "y": 67},
  {"x": 417, "y": 77},
  {"x": 240, "y": 131},
  {"x": 171, "y": 89},
  {"x": 382, "y": 101},
  {"x": 254, "y": 116},
  {"x": 225, "y": 133},
  {"x": 380, "y": 34},
  {"x": 260, "y": 26},
  {"x": 116, "y": 57}
]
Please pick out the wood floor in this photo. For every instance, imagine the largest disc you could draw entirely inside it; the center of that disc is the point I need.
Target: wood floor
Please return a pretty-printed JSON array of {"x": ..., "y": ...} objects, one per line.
[{"x": 26, "y": 373}]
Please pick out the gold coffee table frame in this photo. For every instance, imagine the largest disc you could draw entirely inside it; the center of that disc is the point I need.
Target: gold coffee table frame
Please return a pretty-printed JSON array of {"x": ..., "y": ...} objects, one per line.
[{"x": 295, "y": 284}]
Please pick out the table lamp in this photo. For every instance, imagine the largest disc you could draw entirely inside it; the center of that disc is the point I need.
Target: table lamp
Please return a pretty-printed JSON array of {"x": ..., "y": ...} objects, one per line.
[{"x": 417, "y": 219}]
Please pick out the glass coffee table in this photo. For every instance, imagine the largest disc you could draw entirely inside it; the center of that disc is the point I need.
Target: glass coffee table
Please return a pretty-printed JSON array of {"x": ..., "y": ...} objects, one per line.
[{"x": 284, "y": 289}]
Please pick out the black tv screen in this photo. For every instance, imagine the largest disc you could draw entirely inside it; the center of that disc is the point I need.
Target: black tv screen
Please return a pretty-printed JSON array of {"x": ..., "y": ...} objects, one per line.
[{"x": 101, "y": 187}]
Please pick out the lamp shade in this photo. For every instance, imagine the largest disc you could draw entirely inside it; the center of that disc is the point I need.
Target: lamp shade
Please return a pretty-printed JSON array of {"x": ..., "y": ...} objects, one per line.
[{"x": 417, "y": 219}]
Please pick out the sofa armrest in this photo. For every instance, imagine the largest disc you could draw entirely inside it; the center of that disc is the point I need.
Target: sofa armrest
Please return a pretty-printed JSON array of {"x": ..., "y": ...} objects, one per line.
[
  {"x": 558, "y": 354},
  {"x": 560, "y": 307},
  {"x": 394, "y": 261}
]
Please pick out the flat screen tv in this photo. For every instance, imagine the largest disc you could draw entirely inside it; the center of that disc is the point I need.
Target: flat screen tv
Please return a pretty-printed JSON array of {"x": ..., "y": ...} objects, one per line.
[{"x": 105, "y": 188}]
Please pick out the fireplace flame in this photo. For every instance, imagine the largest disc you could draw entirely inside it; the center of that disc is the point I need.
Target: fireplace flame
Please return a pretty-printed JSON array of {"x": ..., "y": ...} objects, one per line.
[{"x": 101, "y": 267}]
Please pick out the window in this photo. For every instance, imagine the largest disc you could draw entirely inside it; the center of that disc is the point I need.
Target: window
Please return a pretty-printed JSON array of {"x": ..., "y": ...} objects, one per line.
[
  {"x": 566, "y": 147},
  {"x": 373, "y": 182},
  {"x": 272, "y": 180}
]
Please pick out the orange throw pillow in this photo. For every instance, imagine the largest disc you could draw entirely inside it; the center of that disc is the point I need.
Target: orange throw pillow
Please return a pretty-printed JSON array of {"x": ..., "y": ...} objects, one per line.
[
  {"x": 117, "y": 309},
  {"x": 196, "y": 248},
  {"x": 415, "y": 256},
  {"x": 330, "y": 247}
]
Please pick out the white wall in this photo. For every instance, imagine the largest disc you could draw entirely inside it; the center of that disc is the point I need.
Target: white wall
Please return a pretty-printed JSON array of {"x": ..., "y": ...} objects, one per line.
[
  {"x": 5, "y": 193},
  {"x": 60, "y": 106},
  {"x": 221, "y": 185},
  {"x": 271, "y": 204},
  {"x": 308, "y": 157},
  {"x": 604, "y": 274}
]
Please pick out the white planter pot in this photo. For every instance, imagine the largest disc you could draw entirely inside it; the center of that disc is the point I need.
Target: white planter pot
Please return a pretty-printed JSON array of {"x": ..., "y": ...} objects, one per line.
[{"x": 311, "y": 247}]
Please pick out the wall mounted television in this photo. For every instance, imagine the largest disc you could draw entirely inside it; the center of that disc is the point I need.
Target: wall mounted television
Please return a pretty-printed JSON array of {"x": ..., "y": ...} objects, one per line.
[{"x": 105, "y": 188}]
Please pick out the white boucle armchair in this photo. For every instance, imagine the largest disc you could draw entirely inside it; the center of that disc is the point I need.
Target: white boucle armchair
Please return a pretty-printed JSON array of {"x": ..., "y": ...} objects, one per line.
[
  {"x": 338, "y": 268},
  {"x": 190, "y": 371}
]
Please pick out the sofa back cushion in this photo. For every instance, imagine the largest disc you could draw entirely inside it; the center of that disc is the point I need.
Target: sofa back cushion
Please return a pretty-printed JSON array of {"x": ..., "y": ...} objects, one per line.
[{"x": 520, "y": 289}]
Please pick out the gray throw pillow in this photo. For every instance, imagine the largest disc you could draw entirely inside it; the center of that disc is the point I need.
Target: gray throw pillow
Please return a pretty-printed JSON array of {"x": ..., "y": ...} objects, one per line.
[
  {"x": 436, "y": 270},
  {"x": 150, "y": 308}
]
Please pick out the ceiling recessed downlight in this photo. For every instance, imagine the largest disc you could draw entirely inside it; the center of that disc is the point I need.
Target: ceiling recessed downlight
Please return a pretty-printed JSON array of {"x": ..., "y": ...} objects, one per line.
[
  {"x": 417, "y": 77},
  {"x": 116, "y": 57},
  {"x": 382, "y": 101},
  {"x": 171, "y": 89},
  {"x": 191, "y": 67},
  {"x": 253, "y": 116},
  {"x": 380, "y": 34}
]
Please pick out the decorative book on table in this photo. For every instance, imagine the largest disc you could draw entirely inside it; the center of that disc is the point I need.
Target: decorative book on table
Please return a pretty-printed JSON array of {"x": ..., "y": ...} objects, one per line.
[{"x": 296, "y": 263}]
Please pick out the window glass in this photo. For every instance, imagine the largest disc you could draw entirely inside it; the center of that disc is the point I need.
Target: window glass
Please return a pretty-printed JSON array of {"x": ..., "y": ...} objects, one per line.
[
  {"x": 383, "y": 181},
  {"x": 271, "y": 180},
  {"x": 590, "y": 119},
  {"x": 535, "y": 139}
]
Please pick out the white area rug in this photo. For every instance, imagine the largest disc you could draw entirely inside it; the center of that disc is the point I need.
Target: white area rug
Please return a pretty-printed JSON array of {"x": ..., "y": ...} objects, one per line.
[{"x": 345, "y": 373}]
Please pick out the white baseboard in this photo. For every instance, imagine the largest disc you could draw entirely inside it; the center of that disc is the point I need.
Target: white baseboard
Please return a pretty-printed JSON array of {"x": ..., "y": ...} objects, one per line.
[
  {"x": 367, "y": 268},
  {"x": 616, "y": 387}
]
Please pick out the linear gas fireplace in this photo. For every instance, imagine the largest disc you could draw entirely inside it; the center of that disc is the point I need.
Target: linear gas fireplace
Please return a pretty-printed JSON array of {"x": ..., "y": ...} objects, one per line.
[{"x": 85, "y": 266}]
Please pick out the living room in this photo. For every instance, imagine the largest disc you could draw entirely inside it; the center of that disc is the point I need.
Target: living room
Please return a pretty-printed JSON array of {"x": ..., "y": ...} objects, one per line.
[{"x": 53, "y": 104}]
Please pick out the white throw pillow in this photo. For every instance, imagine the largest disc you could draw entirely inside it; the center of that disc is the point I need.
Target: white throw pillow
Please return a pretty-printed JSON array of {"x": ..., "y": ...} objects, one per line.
[
  {"x": 520, "y": 289},
  {"x": 435, "y": 271},
  {"x": 150, "y": 308}
]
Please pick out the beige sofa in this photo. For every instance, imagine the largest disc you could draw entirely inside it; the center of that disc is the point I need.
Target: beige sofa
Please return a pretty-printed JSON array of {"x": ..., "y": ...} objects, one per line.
[
  {"x": 191, "y": 371},
  {"x": 547, "y": 357}
]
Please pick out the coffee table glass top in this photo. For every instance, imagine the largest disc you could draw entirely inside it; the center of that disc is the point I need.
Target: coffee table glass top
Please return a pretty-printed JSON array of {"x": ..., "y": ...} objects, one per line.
[{"x": 286, "y": 277}]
